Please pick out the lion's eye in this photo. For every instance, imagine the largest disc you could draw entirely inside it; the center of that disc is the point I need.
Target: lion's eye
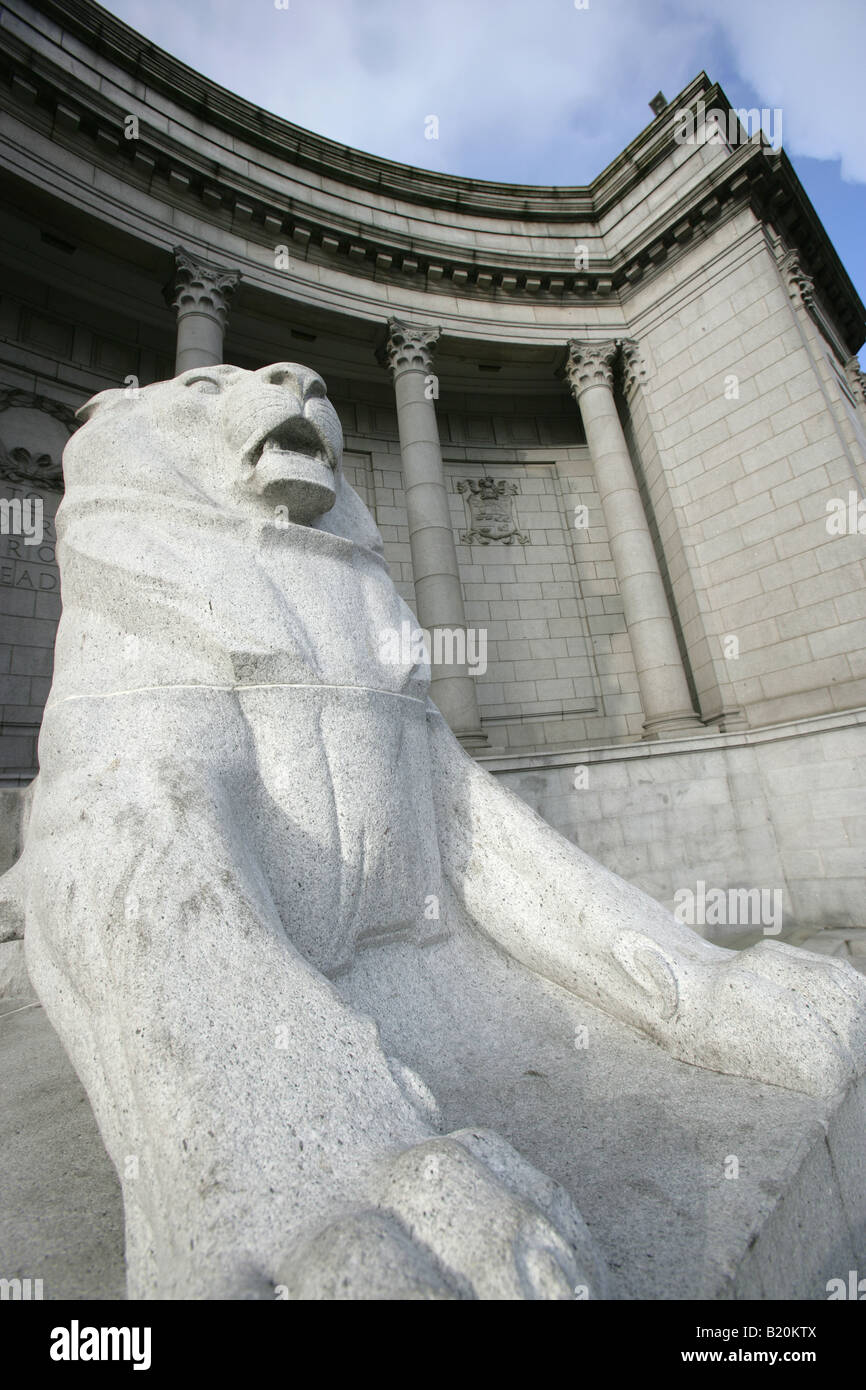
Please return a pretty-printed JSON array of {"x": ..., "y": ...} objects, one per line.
[{"x": 204, "y": 384}]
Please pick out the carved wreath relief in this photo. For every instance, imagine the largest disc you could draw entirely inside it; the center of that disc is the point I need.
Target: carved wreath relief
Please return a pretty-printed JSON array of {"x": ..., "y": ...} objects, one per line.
[
  {"x": 33, "y": 434},
  {"x": 491, "y": 512}
]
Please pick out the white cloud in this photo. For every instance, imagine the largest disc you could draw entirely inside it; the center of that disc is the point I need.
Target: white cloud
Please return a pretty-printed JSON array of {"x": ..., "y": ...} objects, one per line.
[
  {"x": 805, "y": 57},
  {"x": 528, "y": 90}
]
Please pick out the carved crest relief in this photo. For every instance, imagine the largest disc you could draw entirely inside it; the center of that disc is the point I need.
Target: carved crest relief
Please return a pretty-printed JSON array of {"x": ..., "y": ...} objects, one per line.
[{"x": 491, "y": 512}]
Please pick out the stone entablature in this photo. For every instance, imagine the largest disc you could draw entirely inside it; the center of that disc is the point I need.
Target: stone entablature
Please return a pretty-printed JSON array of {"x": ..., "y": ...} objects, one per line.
[{"x": 362, "y": 244}]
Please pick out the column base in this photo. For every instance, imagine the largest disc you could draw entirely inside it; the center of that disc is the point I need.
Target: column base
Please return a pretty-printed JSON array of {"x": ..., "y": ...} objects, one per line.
[
  {"x": 728, "y": 719},
  {"x": 473, "y": 740},
  {"x": 673, "y": 726}
]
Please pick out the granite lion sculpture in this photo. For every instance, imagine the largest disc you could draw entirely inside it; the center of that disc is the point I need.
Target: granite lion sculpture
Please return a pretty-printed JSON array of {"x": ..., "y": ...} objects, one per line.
[{"x": 284, "y": 926}]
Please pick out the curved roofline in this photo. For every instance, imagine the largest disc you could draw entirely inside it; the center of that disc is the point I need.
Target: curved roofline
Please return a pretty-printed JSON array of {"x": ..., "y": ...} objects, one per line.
[
  {"x": 83, "y": 29},
  {"x": 129, "y": 50}
]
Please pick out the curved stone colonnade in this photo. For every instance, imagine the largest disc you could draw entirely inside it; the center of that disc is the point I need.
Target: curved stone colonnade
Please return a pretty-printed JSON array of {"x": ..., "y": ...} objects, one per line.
[{"x": 202, "y": 295}]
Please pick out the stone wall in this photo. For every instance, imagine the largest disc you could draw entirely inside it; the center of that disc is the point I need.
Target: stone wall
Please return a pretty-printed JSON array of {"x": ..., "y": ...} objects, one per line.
[
  {"x": 746, "y": 431},
  {"x": 780, "y": 808},
  {"x": 559, "y": 666}
]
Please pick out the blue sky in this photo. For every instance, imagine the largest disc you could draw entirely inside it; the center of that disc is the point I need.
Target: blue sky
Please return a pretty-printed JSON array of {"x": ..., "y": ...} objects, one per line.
[{"x": 539, "y": 91}]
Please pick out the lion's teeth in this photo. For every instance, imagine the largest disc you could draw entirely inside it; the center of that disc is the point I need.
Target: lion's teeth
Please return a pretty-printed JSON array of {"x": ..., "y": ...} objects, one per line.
[{"x": 273, "y": 444}]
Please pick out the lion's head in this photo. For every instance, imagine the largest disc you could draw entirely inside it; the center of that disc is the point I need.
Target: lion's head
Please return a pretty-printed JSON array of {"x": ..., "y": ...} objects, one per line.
[
  {"x": 274, "y": 438},
  {"x": 207, "y": 531}
]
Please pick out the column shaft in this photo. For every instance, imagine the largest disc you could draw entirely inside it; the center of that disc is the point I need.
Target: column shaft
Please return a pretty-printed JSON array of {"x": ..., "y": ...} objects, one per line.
[
  {"x": 438, "y": 591},
  {"x": 664, "y": 691}
]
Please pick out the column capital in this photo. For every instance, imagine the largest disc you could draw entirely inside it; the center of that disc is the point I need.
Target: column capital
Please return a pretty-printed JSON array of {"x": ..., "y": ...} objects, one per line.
[
  {"x": 801, "y": 287},
  {"x": 410, "y": 345},
  {"x": 590, "y": 364},
  {"x": 634, "y": 371},
  {"x": 856, "y": 379},
  {"x": 198, "y": 285}
]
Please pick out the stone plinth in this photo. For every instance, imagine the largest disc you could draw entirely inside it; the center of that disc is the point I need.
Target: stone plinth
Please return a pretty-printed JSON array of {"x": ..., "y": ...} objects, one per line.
[{"x": 639, "y": 1141}]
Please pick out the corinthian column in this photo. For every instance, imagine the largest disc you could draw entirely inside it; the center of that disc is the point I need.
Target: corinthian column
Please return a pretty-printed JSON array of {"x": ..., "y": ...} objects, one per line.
[
  {"x": 664, "y": 692},
  {"x": 438, "y": 592},
  {"x": 201, "y": 294}
]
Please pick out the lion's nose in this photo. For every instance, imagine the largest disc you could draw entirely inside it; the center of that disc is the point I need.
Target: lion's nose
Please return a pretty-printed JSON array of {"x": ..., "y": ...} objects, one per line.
[{"x": 301, "y": 380}]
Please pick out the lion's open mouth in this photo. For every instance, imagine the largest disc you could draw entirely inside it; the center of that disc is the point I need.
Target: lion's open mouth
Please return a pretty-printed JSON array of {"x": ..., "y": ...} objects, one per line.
[{"x": 296, "y": 436}]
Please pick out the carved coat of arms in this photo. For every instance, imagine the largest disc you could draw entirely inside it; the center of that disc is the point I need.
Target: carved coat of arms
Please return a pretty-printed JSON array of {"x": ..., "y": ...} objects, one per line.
[{"x": 491, "y": 512}]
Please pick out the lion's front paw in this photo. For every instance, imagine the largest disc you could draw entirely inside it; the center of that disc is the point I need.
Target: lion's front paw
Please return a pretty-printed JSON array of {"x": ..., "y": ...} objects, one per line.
[
  {"x": 366, "y": 1256},
  {"x": 783, "y": 1015},
  {"x": 498, "y": 1227},
  {"x": 459, "y": 1217}
]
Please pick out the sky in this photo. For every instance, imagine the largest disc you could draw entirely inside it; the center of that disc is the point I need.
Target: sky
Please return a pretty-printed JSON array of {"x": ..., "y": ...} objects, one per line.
[{"x": 539, "y": 91}]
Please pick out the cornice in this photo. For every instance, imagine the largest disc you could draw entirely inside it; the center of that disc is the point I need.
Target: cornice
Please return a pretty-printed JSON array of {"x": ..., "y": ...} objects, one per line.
[
  {"x": 161, "y": 72},
  {"x": 80, "y": 118}
]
